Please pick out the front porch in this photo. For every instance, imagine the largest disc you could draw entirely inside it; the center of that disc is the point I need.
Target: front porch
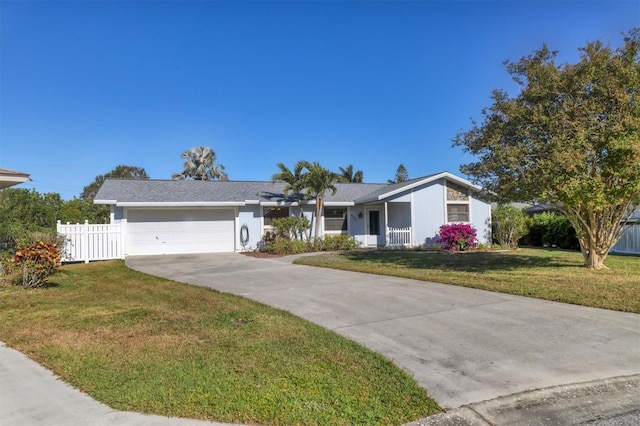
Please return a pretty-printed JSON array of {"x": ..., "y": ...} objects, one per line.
[{"x": 388, "y": 225}]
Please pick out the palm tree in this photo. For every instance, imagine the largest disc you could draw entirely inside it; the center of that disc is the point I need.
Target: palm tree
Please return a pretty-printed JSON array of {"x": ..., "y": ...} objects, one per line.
[
  {"x": 318, "y": 181},
  {"x": 347, "y": 175},
  {"x": 295, "y": 180},
  {"x": 199, "y": 164}
]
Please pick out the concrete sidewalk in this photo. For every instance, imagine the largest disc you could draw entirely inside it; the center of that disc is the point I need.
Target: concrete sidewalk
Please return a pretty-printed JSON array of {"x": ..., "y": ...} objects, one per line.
[{"x": 30, "y": 395}]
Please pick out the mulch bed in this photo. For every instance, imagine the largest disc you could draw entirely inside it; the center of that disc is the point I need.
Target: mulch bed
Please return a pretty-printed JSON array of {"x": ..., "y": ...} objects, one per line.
[{"x": 260, "y": 254}]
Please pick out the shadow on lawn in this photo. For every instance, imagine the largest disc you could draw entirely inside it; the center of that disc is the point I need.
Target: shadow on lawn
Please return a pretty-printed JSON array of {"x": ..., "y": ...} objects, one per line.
[{"x": 478, "y": 262}]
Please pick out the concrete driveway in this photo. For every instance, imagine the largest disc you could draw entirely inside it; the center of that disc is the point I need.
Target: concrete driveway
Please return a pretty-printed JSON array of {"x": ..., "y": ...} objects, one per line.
[{"x": 463, "y": 345}]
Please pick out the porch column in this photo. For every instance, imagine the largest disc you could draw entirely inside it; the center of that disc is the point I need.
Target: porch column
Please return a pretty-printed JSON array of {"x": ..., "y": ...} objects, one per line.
[
  {"x": 411, "y": 234},
  {"x": 386, "y": 226}
]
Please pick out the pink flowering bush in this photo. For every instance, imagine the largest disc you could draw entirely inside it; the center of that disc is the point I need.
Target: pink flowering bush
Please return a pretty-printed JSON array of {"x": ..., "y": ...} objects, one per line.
[{"x": 458, "y": 237}]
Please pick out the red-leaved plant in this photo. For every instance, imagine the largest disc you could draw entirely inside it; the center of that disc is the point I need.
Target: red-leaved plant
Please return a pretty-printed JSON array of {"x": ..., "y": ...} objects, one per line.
[
  {"x": 36, "y": 263},
  {"x": 458, "y": 237}
]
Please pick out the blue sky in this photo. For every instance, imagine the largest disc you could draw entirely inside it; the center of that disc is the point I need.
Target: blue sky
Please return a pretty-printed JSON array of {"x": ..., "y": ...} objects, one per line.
[{"x": 88, "y": 85}]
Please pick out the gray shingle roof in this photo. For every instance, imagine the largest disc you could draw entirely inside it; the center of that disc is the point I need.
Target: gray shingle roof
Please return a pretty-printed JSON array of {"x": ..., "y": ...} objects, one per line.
[
  {"x": 191, "y": 191},
  {"x": 374, "y": 195},
  {"x": 127, "y": 191}
]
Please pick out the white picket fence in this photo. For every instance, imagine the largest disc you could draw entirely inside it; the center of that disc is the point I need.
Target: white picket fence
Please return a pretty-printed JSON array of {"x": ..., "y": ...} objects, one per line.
[{"x": 86, "y": 242}]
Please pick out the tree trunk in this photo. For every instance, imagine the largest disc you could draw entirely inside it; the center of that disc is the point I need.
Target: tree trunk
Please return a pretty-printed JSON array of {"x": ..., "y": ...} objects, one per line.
[
  {"x": 319, "y": 203},
  {"x": 594, "y": 260},
  {"x": 593, "y": 257},
  {"x": 597, "y": 233}
]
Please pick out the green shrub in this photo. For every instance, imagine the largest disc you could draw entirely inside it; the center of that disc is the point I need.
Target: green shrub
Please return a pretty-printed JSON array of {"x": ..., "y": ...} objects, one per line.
[
  {"x": 551, "y": 230},
  {"x": 266, "y": 243},
  {"x": 277, "y": 243},
  {"x": 287, "y": 246},
  {"x": 291, "y": 227},
  {"x": 508, "y": 225},
  {"x": 339, "y": 242}
]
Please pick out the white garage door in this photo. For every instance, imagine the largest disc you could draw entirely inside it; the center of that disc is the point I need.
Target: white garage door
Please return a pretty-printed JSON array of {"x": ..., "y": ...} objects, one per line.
[{"x": 176, "y": 231}]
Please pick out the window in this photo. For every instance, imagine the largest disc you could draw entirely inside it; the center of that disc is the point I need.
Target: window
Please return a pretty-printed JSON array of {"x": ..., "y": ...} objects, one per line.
[
  {"x": 335, "y": 219},
  {"x": 271, "y": 213},
  {"x": 457, "y": 212},
  {"x": 457, "y": 197}
]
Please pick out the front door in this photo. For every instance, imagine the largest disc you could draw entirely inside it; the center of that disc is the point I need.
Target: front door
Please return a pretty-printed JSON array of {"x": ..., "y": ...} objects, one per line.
[{"x": 373, "y": 227}]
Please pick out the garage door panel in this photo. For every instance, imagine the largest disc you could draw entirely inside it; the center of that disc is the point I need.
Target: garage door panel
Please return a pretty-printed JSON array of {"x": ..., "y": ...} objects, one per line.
[{"x": 177, "y": 231}]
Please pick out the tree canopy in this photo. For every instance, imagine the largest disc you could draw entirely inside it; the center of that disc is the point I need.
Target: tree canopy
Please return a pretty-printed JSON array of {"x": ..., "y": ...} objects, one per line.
[
  {"x": 318, "y": 181},
  {"x": 120, "y": 172},
  {"x": 347, "y": 175},
  {"x": 200, "y": 164},
  {"x": 401, "y": 175},
  {"x": 570, "y": 137},
  {"x": 295, "y": 180},
  {"x": 27, "y": 214}
]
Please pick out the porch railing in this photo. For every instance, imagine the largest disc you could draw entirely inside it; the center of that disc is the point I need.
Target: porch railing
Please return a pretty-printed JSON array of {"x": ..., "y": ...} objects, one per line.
[{"x": 399, "y": 236}]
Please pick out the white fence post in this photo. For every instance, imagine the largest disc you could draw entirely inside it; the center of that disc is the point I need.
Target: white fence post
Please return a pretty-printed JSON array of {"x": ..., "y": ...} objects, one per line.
[
  {"x": 123, "y": 237},
  {"x": 85, "y": 241}
]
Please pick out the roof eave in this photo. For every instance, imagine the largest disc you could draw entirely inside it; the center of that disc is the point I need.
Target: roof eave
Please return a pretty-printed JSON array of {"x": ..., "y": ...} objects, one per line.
[
  {"x": 339, "y": 203},
  {"x": 104, "y": 201},
  {"x": 445, "y": 175},
  {"x": 180, "y": 204}
]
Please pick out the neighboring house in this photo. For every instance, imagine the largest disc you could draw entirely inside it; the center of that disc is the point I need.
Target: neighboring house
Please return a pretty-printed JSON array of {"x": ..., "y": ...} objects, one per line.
[
  {"x": 629, "y": 243},
  {"x": 11, "y": 177},
  {"x": 171, "y": 217},
  {"x": 541, "y": 208}
]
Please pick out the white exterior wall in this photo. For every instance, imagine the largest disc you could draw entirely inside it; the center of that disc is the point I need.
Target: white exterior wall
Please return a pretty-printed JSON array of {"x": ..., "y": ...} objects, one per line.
[
  {"x": 252, "y": 217},
  {"x": 481, "y": 219},
  {"x": 356, "y": 223},
  {"x": 309, "y": 211},
  {"x": 117, "y": 214},
  {"x": 428, "y": 213}
]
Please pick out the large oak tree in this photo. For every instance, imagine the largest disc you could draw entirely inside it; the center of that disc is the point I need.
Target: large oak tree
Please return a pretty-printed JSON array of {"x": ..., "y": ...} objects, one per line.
[{"x": 570, "y": 137}]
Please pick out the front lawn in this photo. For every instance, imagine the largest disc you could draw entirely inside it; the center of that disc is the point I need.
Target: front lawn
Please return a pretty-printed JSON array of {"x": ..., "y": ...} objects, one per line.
[
  {"x": 141, "y": 343},
  {"x": 546, "y": 274}
]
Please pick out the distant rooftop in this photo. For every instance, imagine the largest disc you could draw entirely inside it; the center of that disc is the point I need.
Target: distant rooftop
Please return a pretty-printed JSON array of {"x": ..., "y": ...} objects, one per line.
[{"x": 12, "y": 177}]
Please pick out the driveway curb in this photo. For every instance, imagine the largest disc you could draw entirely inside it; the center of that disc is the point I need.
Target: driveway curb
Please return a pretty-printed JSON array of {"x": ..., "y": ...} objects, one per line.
[{"x": 572, "y": 404}]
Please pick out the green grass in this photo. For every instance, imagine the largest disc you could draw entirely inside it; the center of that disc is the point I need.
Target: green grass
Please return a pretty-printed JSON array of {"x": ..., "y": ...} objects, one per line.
[
  {"x": 141, "y": 343},
  {"x": 546, "y": 274}
]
